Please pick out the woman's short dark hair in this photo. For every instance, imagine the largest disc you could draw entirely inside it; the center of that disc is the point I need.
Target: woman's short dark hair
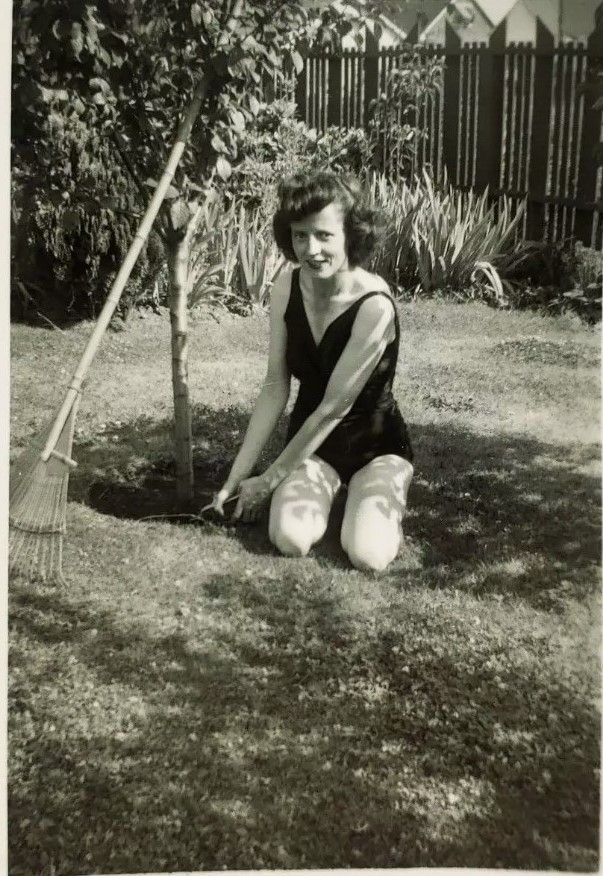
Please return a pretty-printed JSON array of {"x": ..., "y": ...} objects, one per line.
[{"x": 306, "y": 193}]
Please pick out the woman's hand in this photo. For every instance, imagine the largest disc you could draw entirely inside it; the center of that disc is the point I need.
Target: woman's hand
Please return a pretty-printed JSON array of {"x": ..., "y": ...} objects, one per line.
[
  {"x": 227, "y": 492},
  {"x": 253, "y": 496}
]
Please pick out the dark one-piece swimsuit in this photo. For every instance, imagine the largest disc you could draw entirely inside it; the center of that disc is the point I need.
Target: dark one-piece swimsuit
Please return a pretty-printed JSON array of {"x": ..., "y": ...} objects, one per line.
[{"x": 374, "y": 426}]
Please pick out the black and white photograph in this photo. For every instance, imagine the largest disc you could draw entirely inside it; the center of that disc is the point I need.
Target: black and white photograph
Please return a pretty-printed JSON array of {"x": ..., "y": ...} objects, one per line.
[{"x": 303, "y": 469}]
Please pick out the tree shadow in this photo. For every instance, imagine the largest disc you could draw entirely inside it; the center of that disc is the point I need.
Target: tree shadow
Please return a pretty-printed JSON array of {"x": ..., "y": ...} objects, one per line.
[
  {"x": 506, "y": 515},
  {"x": 130, "y": 474},
  {"x": 295, "y": 738},
  {"x": 498, "y": 514}
]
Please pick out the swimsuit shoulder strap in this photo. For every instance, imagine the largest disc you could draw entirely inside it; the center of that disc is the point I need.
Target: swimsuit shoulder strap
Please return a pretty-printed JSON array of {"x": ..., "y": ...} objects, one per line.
[
  {"x": 294, "y": 295},
  {"x": 357, "y": 304}
]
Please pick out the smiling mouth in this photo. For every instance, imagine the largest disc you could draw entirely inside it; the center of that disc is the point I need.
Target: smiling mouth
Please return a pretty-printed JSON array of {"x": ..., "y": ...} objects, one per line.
[{"x": 314, "y": 264}]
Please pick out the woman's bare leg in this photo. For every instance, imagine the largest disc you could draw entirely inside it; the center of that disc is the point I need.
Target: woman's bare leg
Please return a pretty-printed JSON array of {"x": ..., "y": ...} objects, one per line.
[
  {"x": 371, "y": 531},
  {"x": 300, "y": 507}
]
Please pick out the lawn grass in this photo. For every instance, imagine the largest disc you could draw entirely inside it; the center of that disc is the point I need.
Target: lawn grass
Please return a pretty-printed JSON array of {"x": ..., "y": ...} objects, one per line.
[{"x": 194, "y": 701}]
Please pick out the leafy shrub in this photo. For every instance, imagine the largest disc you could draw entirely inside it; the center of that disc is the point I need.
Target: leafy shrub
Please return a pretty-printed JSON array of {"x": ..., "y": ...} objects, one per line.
[
  {"x": 278, "y": 144},
  {"x": 442, "y": 240},
  {"x": 259, "y": 261},
  {"x": 274, "y": 146},
  {"x": 344, "y": 150},
  {"x": 457, "y": 237},
  {"x": 588, "y": 266},
  {"x": 541, "y": 263},
  {"x": 394, "y": 127},
  {"x": 236, "y": 259},
  {"x": 438, "y": 242},
  {"x": 561, "y": 277},
  {"x": 72, "y": 223},
  {"x": 551, "y": 300},
  {"x": 394, "y": 258}
]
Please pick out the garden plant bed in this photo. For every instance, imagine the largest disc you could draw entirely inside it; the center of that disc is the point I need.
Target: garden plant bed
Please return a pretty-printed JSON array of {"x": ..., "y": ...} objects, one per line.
[
  {"x": 153, "y": 494},
  {"x": 543, "y": 352},
  {"x": 191, "y": 700}
]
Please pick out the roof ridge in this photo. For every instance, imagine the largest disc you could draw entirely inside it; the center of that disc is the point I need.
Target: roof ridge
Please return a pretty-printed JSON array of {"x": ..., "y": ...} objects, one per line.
[
  {"x": 385, "y": 19},
  {"x": 495, "y": 10}
]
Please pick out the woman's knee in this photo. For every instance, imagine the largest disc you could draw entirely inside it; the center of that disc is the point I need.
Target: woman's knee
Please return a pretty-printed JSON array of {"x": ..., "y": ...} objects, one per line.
[
  {"x": 292, "y": 541},
  {"x": 371, "y": 530},
  {"x": 292, "y": 530},
  {"x": 300, "y": 509},
  {"x": 371, "y": 554}
]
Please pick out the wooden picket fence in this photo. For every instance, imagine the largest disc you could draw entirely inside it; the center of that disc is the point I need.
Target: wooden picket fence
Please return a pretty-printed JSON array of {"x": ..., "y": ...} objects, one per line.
[{"x": 509, "y": 117}]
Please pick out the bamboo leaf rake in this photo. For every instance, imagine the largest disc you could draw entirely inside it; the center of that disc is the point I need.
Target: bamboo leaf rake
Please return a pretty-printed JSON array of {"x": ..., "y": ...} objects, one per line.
[{"x": 39, "y": 478}]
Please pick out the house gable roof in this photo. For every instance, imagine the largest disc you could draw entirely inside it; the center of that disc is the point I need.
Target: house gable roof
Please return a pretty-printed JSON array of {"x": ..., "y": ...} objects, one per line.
[
  {"x": 478, "y": 30},
  {"x": 431, "y": 15},
  {"x": 356, "y": 9},
  {"x": 578, "y": 18},
  {"x": 495, "y": 10},
  {"x": 408, "y": 13}
]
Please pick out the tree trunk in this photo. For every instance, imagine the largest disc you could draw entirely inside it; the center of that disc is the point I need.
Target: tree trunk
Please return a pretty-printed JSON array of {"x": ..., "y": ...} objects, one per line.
[{"x": 178, "y": 262}]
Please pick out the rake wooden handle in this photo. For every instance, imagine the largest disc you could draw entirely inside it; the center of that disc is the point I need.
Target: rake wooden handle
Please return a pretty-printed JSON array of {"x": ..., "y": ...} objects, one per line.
[
  {"x": 62, "y": 457},
  {"x": 140, "y": 239}
]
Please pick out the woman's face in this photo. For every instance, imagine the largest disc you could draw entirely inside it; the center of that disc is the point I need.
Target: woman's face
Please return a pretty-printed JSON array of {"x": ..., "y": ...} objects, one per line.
[{"x": 319, "y": 242}]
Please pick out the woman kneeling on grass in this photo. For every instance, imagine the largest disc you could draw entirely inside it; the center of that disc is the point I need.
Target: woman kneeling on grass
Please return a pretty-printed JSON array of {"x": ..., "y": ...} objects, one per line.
[{"x": 334, "y": 327}]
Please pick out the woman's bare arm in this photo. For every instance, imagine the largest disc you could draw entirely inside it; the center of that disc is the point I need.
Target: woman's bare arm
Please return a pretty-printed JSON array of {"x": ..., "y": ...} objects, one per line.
[{"x": 274, "y": 394}]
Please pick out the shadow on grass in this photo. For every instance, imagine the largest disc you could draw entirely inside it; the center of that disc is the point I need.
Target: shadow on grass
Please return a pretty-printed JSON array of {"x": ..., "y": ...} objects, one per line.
[
  {"x": 129, "y": 471},
  {"x": 505, "y": 514},
  {"x": 130, "y": 474},
  {"x": 294, "y": 737},
  {"x": 494, "y": 514}
]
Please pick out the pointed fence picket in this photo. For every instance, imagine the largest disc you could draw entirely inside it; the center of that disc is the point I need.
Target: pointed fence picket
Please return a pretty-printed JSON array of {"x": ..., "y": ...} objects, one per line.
[{"x": 510, "y": 117}]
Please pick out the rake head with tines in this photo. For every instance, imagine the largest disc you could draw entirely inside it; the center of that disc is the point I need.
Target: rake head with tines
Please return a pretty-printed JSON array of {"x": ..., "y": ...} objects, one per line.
[{"x": 38, "y": 503}]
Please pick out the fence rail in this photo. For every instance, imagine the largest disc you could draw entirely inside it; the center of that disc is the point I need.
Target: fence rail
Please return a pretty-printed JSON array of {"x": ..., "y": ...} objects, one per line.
[{"x": 508, "y": 117}]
